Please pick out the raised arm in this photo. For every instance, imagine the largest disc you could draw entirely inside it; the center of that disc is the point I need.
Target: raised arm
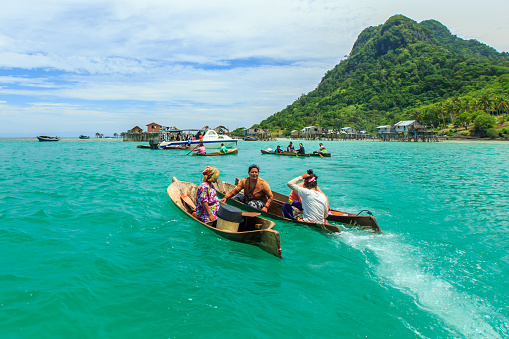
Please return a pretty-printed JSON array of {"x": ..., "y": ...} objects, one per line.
[{"x": 293, "y": 184}]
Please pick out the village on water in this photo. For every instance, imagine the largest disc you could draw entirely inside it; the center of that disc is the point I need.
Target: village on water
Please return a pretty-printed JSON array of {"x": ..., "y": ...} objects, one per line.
[{"x": 410, "y": 130}]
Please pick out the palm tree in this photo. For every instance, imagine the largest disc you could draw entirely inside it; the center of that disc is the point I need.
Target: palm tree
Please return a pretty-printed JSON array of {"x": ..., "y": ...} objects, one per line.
[
  {"x": 485, "y": 102},
  {"x": 115, "y": 135},
  {"x": 501, "y": 104},
  {"x": 97, "y": 135}
]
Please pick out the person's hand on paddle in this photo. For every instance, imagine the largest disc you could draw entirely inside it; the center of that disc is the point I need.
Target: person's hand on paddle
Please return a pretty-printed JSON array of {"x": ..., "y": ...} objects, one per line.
[{"x": 265, "y": 209}]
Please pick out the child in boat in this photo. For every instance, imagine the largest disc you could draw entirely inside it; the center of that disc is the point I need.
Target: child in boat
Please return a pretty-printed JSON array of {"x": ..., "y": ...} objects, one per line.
[
  {"x": 223, "y": 149},
  {"x": 207, "y": 203},
  {"x": 278, "y": 149},
  {"x": 314, "y": 204}
]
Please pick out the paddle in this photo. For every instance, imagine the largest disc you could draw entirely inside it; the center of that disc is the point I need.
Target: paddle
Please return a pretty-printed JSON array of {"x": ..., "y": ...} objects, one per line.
[{"x": 193, "y": 149}]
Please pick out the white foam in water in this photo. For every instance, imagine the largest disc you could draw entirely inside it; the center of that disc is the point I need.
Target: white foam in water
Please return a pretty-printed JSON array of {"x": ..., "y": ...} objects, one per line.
[{"x": 401, "y": 266}]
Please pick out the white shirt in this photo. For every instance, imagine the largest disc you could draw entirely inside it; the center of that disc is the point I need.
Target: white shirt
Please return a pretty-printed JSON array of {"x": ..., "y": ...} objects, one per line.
[{"x": 314, "y": 204}]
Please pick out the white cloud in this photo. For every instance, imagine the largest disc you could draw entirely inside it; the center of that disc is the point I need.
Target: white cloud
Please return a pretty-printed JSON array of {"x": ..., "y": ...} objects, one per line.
[{"x": 128, "y": 61}]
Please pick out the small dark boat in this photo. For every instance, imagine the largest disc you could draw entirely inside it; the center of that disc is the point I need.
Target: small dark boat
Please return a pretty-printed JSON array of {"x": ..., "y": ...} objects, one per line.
[
  {"x": 250, "y": 139},
  {"x": 230, "y": 151},
  {"x": 46, "y": 138},
  {"x": 275, "y": 211},
  {"x": 84, "y": 137},
  {"x": 252, "y": 229},
  {"x": 143, "y": 146},
  {"x": 292, "y": 154}
]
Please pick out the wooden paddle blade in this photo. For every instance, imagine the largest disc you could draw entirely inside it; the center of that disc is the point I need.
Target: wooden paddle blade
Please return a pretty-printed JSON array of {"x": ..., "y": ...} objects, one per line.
[{"x": 250, "y": 214}]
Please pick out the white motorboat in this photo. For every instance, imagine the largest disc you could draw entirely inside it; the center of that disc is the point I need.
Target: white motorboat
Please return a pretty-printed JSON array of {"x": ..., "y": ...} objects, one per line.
[{"x": 210, "y": 140}]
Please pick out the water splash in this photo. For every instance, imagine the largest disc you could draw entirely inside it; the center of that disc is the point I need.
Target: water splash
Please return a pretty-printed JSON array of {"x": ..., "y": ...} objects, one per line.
[{"x": 403, "y": 267}]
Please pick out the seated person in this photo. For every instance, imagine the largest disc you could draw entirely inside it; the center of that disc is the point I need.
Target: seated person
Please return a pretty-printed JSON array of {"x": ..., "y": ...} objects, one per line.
[
  {"x": 322, "y": 150},
  {"x": 223, "y": 149},
  {"x": 207, "y": 203},
  {"x": 257, "y": 192},
  {"x": 290, "y": 148},
  {"x": 278, "y": 149},
  {"x": 301, "y": 149},
  {"x": 200, "y": 149},
  {"x": 314, "y": 204},
  {"x": 296, "y": 197}
]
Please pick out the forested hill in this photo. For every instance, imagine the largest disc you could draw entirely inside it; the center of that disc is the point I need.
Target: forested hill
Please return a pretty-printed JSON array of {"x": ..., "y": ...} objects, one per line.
[{"x": 398, "y": 71}]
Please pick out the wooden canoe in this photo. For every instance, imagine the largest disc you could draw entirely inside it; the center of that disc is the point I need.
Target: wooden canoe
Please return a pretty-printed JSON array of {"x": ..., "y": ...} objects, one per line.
[
  {"x": 348, "y": 219},
  {"x": 148, "y": 146},
  {"x": 275, "y": 211},
  {"x": 230, "y": 151},
  {"x": 253, "y": 230},
  {"x": 291, "y": 154}
]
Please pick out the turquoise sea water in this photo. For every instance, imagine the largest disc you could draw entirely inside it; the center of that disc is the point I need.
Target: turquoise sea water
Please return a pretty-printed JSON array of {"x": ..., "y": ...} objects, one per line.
[{"x": 91, "y": 245}]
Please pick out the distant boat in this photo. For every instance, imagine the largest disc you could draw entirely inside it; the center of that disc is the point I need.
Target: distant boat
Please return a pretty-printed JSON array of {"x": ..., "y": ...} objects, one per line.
[
  {"x": 230, "y": 151},
  {"x": 250, "y": 139},
  {"x": 292, "y": 154},
  {"x": 210, "y": 139},
  {"x": 46, "y": 138},
  {"x": 84, "y": 137}
]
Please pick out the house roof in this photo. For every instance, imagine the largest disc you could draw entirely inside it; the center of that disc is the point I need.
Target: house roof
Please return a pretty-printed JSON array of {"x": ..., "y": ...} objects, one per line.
[
  {"x": 405, "y": 123},
  {"x": 386, "y": 126},
  {"x": 153, "y": 123},
  {"x": 345, "y": 128}
]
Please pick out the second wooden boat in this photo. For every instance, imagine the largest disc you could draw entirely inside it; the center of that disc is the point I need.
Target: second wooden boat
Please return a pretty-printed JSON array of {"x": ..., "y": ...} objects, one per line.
[
  {"x": 275, "y": 211},
  {"x": 252, "y": 230},
  {"x": 292, "y": 154},
  {"x": 230, "y": 151}
]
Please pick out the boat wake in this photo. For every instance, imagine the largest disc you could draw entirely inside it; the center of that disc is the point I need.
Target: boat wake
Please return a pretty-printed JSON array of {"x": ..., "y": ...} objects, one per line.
[{"x": 404, "y": 267}]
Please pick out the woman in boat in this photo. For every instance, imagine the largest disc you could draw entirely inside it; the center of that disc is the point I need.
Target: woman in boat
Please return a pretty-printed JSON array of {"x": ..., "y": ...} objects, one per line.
[
  {"x": 314, "y": 204},
  {"x": 257, "y": 192},
  {"x": 295, "y": 197},
  {"x": 322, "y": 150},
  {"x": 200, "y": 149},
  {"x": 301, "y": 149},
  {"x": 207, "y": 203}
]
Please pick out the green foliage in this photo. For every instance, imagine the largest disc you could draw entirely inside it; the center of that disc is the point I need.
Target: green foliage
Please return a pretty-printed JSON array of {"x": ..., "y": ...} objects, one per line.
[
  {"x": 238, "y": 132},
  {"x": 483, "y": 123},
  {"x": 492, "y": 133},
  {"x": 404, "y": 70}
]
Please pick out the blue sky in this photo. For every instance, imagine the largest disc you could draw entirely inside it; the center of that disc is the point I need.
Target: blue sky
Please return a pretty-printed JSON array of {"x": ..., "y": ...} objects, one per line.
[{"x": 71, "y": 67}]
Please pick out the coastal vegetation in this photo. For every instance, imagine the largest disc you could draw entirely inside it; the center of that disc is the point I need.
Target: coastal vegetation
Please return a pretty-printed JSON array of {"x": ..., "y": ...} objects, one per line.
[{"x": 404, "y": 70}]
